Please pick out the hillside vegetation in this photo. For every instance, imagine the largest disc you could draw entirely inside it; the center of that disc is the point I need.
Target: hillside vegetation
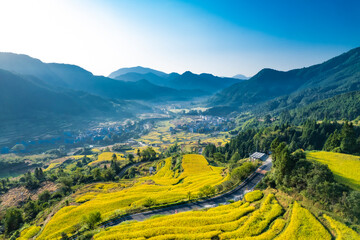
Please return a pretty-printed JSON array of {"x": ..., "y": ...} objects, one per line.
[
  {"x": 346, "y": 168},
  {"x": 294, "y": 88},
  {"x": 166, "y": 186}
]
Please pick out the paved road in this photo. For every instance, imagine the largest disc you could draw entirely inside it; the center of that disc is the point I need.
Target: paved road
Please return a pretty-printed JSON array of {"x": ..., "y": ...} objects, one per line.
[{"x": 235, "y": 194}]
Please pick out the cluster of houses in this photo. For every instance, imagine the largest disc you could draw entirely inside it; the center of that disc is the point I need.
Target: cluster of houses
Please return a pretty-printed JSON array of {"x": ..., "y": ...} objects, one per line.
[{"x": 88, "y": 136}]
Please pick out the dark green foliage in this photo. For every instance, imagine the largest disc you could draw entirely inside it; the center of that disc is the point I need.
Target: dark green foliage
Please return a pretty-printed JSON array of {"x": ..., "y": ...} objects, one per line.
[
  {"x": 207, "y": 191},
  {"x": 209, "y": 150},
  {"x": 92, "y": 219},
  {"x": 44, "y": 196},
  {"x": 12, "y": 219},
  {"x": 31, "y": 209},
  {"x": 115, "y": 166},
  {"x": 240, "y": 173},
  {"x": 348, "y": 139},
  {"x": 343, "y": 106},
  {"x": 293, "y": 173},
  {"x": 149, "y": 202},
  {"x": 148, "y": 154}
]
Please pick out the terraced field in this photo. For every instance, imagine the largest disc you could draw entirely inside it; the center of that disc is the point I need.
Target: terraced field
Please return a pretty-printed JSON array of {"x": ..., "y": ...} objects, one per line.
[
  {"x": 239, "y": 220},
  {"x": 166, "y": 186},
  {"x": 346, "y": 168},
  {"x": 106, "y": 157},
  {"x": 161, "y": 135}
]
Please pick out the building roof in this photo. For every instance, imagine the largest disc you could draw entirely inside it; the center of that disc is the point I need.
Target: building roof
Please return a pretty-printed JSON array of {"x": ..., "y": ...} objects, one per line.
[{"x": 259, "y": 155}]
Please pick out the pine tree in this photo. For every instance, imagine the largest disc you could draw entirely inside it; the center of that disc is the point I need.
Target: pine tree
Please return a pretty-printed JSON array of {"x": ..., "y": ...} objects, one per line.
[{"x": 348, "y": 138}]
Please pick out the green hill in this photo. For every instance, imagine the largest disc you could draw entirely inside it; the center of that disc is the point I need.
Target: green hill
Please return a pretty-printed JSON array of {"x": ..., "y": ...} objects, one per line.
[{"x": 297, "y": 87}]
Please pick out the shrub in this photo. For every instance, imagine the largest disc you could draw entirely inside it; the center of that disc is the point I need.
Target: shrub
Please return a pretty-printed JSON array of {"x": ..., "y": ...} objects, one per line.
[{"x": 254, "y": 196}]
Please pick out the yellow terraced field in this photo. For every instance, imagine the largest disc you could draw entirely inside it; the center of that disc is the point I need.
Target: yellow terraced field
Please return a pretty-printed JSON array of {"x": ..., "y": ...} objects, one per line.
[
  {"x": 107, "y": 157},
  {"x": 342, "y": 231},
  {"x": 233, "y": 221},
  {"x": 303, "y": 225},
  {"x": 29, "y": 232},
  {"x": 239, "y": 220},
  {"x": 164, "y": 187},
  {"x": 345, "y": 167}
]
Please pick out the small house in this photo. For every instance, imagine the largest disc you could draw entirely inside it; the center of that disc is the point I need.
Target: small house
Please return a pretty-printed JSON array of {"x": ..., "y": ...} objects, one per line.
[{"x": 258, "y": 156}]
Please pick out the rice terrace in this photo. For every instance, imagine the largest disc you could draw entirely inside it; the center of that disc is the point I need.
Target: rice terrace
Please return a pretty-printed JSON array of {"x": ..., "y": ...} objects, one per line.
[{"x": 179, "y": 120}]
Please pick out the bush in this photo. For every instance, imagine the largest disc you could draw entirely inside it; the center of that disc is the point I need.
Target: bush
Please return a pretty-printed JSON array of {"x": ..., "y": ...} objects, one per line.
[
  {"x": 92, "y": 219},
  {"x": 149, "y": 202},
  {"x": 12, "y": 219},
  {"x": 254, "y": 196},
  {"x": 207, "y": 191}
]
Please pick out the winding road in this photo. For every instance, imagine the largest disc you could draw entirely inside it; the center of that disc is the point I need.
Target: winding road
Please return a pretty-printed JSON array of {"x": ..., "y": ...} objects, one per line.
[{"x": 235, "y": 194}]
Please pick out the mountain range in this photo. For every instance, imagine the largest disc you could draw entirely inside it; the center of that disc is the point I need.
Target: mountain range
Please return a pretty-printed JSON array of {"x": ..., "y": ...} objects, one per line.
[
  {"x": 271, "y": 90},
  {"x": 186, "y": 81}
]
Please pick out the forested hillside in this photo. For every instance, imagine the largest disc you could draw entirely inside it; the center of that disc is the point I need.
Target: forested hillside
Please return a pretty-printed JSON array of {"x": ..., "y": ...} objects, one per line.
[{"x": 297, "y": 87}]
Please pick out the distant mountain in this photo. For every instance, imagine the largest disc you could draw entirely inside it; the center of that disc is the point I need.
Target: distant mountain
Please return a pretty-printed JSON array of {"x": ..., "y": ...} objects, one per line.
[
  {"x": 20, "y": 97},
  {"x": 296, "y": 87},
  {"x": 139, "y": 70},
  {"x": 240, "y": 76},
  {"x": 30, "y": 108},
  {"x": 185, "y": 81},
  {"x": 65, "y": 76}
]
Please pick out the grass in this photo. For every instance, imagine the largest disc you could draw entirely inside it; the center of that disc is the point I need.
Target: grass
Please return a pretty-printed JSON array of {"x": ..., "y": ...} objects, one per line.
[
  {"x": 164, "y": 187},
  {"x": 346, "y": 168}
]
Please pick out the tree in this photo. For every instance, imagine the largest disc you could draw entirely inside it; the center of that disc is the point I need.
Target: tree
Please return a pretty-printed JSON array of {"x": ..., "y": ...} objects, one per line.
[
  {"x": 115, "y": 166},
  {"x": 31, "y": 209},
  {"x": 348, "y": 141},
  {"x": 209, "y": 150},
  {"x": 44, "y": 196},
  {"x": 138, "y": 153},
  {"x": 114, "y": 157},
  {"x": 149, "y": 202},
  {"x": 131, "y": 158},
  {"x": 207, "y": 190},
  {"x": 235, "y": 157},
  {"x": 333, "y": 141},
  {"x": 12, "y": 219},
  {"x": 39, "y": 174},
  {"x": 274, "y": 144},
  {"x": 92, "y": 219},
  {"x": 219, "y": 157},
  {"x": 188, "y": 195},
  {"x": 96, "y": 173}
]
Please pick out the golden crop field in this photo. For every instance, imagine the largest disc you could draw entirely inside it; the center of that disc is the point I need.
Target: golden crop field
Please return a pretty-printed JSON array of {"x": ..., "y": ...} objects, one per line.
[
  {"x": 342, "y": 231},
  {"x": 346, "y": 168},
  {"x": 239, "y": 220},
  {"x": 166, "y": 186},
  {"x": 107, "y": 157},
  {"x": 29, "y": 233},
  {"x": 161, "y": 135},
  {"x": 303, "y": 225}
]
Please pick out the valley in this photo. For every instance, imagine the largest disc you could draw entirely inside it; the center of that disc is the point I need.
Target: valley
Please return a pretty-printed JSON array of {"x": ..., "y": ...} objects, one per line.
[{"x": 143, "y": 154}]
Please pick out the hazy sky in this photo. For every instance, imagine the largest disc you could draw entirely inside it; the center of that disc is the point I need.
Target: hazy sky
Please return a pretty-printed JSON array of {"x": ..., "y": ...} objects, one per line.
[{"x": 222, "y": 37}]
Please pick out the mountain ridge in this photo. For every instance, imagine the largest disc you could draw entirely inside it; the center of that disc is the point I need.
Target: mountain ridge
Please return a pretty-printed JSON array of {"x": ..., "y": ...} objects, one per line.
[{"x": 298, "y": 86}]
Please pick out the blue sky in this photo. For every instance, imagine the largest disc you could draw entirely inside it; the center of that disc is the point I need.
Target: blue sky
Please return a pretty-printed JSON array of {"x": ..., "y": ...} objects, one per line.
[{"x": 221, "y": 37}]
